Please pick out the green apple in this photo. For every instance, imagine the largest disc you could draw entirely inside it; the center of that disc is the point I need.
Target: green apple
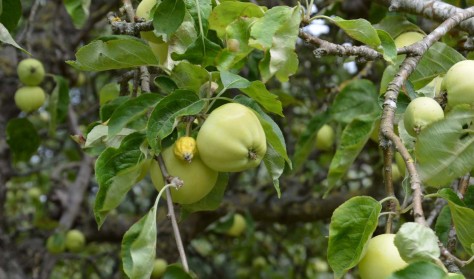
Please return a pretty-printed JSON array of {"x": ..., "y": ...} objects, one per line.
[
  {"x": 56, "y": 244},
  {"x": 34, "y": 193},
  {"x": 238, "y": 225},
  {"x": 396, "y": 174},
  {"x": 259, "y": 262},
  {"x": 381, "y": 258},
  {"x": 325, "y": 138},
  {"x": 400, "y": 164},
  {"x": 29, "y": 98},
  {"x": 75, "y": 240},
  {"x": 143, "y": 11},
  {"x": 408, "y": 38},
  {"x": 30, "y": 71},
  {"x": 419, "y": 113},
  {"x": 159, "y": 268},
  {"x": 459, "y": 84}
]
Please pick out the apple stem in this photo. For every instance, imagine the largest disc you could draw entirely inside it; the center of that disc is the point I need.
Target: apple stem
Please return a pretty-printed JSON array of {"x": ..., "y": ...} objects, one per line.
[{"x": 252, "y": 154}]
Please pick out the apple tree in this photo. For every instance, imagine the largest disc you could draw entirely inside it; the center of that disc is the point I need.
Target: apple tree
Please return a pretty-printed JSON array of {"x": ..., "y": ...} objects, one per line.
[{"x": 236, "y": 139}]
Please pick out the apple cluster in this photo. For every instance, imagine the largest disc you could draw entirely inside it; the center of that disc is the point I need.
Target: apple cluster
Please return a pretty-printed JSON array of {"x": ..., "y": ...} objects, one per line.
[
  {"x": 31, "y": 96},
  {"x": 230, "y": 140}
]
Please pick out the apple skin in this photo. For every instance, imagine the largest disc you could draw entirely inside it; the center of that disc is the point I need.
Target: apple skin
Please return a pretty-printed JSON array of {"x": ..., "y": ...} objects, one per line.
[
  {"x": 381, "y": 258},
  {"x": 197, "y": 177},
  {"x": 159, "y": 268},
  {"x": 75, "y": 240},
  {"x": 408, "y": 38},
  {"x": 143, "y": 11},
  {"x": 459, "y": 84},
  {"x": 325, "y": 138},
  {"x": 238, "y": 226},
  {"x": 56, "y": 244},
  {"x": 30, "y": 71},
  {"x": 29, "y": 98},
  {"x": 419, "y": 113},
  {"x": 232, "y": 139}
]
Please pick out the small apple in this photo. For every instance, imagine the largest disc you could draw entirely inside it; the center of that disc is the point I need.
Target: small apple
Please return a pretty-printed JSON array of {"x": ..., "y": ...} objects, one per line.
[
  {"x": 419, "y": 113},
  {"x": 408, "y": 38},
  {"x": 29, "y": 98},
  {"x": 34, "y": 193},
  {"x": 30, "y": 71},
  {"x": 259, "y": 262},
  {"x": 55, "y": 244},
  {"x": 159, "y": 268},
  {"x": 396, "y": 173},
  {"x": 325, "y": 138},
  {"x": 75, "y": 240},
  {"x": 381, "y": 258},
  {"x": 238, "y": 226},
  {"x": 458, "y": 83}
]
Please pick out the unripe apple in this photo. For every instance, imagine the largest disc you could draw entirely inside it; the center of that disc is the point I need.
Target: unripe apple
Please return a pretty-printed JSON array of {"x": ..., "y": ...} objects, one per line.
[
  {"x": 143, "y": 11},
  {"x": 408, "y": 38},
  {"x": 34, "y": 193},
  {"x": 325, "y": 138},
  {"x": 396, "y": 174},
  {"x": 459, "y": 84},
  {"x": 56, "y": 243},
  {"x": 238, "y": 226},
  {"x": 30, "y": 71},
  {"x": 159, "y": 268},
  {"x": 259, "y": 262},
  {"x": 421, "y": 112},
  {"x": 381, "y": 258},
  {"x": 29, "y": 98},
  {"x": 75, "y": 240}
]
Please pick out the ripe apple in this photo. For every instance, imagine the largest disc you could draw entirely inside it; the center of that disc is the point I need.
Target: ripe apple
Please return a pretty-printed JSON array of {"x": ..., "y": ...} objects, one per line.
[
  {"x": 232, "y": 139},
  {"x": 197, "y": 177},
  {"x": 381, "y": 258},
  {"x": 29, "y": 98},
  {"x": 408, "y": 38},
  {"x": 75, "y": 240},
  {"x": 30, "y": 71},
  {"x": 419, "y": 113},
  {"x": 143, "y": 11},
  {"x": 325, "y": 138},
  {"x": 159, "y": 268},
  {"x": 238, "y": 226},
  {"x": 458, "y": 83}
]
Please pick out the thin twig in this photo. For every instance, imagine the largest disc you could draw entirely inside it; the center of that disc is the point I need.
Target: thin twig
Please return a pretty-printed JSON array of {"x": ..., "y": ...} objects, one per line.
[{"x": 388, "y": 181}]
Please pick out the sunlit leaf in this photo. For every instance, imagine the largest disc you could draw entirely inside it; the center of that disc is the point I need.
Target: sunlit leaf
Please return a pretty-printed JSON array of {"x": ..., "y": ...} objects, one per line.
[
  {"x": 352, "y": 225},
  {"x": 416, "y": 242},
  {"x": 420, "y": 270}
]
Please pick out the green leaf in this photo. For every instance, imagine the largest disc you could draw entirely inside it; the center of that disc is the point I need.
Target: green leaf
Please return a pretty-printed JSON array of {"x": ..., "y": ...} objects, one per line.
[
  {"x": 6, "y": 38},
  {"x": 139, "y": 246},
  {"x": 469, "y": 196},
  {"x": 168, "y": 17},
  {"x": 437, "y": 60},
  {"x": 277, "y": 31},
  {"x": 203, "y": 51},
  {"x": 416, "y": 242},
  {"x": 388, "y": 46},
  {"x": 58, "y": 103},
  {"x": 189, "y": 77},
  {"x": 256, "y": 90},
  {"x": 130, "y": 111},
  {"x": 275, "y": 165},
  {"x": 22, "y": 138},
  {"x": 175, "y": 271},
  {"x": 108, "y": 108},
  {"x": 353, "y": 139},
  {"x": 78, "y": 10},
  {"x": 164, "y": 117},
  {"x": 200, "y": 10},
  {"x": 117, "y": 170},
  {"x": 10, "y": 19},
  {"x": 212, "y": 200},
  {"x": 98, "y": 136},
  {"x": 450, "y": 156},
  {"x": 352, "y": 225},
  {"x": 358, "y": 100},
  {"x": 358, "y": 29},
  {"x": 307, "y": 139},
  {"x": 396, "y": 25},
  {"x": 227, "y": 12},
  {"x": 420, "y": 270},
  {"x": 184, "y": 36},
  {"x": 462, "y": 218},
  {"x": 272, "y": 131},
  {"x": 237, "y": 47},
  {"x": 443, "y": 224},
  {"x": 114, "y": 52}
]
